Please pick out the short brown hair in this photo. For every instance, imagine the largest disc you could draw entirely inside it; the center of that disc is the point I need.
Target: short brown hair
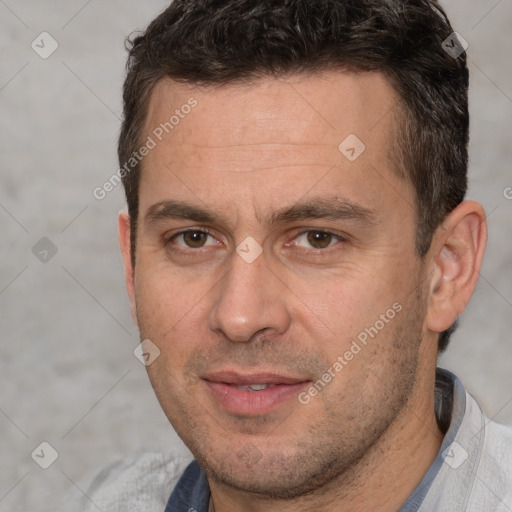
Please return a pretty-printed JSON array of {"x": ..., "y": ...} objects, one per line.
[{"x": 213, "y": 42}]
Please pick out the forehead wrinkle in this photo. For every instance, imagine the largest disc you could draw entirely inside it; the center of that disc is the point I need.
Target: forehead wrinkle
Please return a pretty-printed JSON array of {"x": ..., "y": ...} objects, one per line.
[
  {"x": 274, "y": 168},
  {"x": 270, "y": 145},
  {"x": 257, "y": 156},
  {"x": 285, "y": 149}
]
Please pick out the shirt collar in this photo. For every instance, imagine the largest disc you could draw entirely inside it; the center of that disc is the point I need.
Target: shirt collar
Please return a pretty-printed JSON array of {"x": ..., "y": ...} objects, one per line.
[
  {"x": 192, "y": 492},
  {"x": 450, "y": 406}
]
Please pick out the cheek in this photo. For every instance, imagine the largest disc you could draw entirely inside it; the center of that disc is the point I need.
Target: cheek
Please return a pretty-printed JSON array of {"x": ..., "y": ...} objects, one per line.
[
  {"x": 365, "y": 307},
  {"x": 164, "y": 297},
  {"x": 347, "y": 302},
  {"x": 378, "y": 355},
  {"x": 170, "y": 313}
]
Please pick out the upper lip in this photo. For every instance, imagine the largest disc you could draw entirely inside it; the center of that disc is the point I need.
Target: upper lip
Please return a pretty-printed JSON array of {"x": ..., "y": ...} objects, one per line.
[{"x": 245, "y": 379}]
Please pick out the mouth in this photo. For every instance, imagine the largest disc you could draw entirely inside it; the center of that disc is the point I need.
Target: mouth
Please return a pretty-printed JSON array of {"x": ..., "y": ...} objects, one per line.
[
  {"x": 246, "y": 394},
  {"x": 255, "y": 387}
]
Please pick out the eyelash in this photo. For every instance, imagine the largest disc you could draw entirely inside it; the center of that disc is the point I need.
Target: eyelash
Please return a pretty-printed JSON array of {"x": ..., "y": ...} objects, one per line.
[
  {"x": 207, "y": 232},
  {"x": 336, "y": 237},
  {"x": 169, "y": 240}
]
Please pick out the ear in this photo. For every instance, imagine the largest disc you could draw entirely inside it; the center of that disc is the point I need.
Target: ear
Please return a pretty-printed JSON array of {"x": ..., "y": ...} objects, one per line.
[
  {"x": 126, "y": 251},
  {"x": 456, "y": 255}
]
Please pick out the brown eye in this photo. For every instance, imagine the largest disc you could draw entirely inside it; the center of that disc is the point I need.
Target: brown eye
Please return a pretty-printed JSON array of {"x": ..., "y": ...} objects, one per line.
[
  {"x": 319, "y": 239},
  {"x": 193, "y": 239}
]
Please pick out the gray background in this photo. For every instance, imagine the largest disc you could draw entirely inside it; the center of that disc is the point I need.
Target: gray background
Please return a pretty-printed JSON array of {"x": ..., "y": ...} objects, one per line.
[{"x": 68, "y": 375}]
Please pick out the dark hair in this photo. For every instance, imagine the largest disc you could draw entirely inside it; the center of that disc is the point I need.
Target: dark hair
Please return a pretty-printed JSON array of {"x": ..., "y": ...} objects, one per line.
[{"x": 213, "y": 42}]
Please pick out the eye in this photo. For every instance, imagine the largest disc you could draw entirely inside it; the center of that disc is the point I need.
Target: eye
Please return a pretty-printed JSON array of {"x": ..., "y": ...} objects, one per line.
[
  {"x": 193, "y": 239},
  {"x": 316, "y": 239}
]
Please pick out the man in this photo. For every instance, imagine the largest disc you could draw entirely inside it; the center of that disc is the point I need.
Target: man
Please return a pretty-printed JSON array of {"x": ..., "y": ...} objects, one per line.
[{"x": 297, "y": 251}]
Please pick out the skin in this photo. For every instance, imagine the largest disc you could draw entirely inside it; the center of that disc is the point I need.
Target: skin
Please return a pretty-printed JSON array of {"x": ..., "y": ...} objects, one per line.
[{"x": 244, "y": 153}]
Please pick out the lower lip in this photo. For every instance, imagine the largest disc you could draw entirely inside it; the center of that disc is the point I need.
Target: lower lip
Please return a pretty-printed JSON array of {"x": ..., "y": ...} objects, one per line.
[{"x": 253, "y": 403}]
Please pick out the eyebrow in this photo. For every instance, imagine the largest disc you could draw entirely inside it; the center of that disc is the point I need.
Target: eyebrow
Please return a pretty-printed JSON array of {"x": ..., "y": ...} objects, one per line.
[
  {"x": 325, "y": 208},
  {"x": 316, "y": 208},
  {"x": 172, "y": 209}
]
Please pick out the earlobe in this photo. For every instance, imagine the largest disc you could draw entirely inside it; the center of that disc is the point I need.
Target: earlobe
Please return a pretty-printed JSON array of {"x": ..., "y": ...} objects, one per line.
[
  {"x": 457, "y": 252},
  {"x": 126, "y": 251}
]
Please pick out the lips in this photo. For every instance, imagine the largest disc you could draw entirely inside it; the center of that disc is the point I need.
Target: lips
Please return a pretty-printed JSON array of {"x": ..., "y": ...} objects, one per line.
[
  {"x": 239, "y": 379},
  {"x": 252, "y": 394}
]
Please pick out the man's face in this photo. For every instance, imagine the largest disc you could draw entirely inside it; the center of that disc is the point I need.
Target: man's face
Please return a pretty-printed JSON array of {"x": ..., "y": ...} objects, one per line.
[{"x": 265, "y": 255}]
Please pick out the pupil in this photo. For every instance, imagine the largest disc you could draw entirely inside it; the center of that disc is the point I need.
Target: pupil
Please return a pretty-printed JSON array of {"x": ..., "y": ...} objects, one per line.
[
  {"x": 194, "y": 238},
  {"x": 319, "y": 240}
]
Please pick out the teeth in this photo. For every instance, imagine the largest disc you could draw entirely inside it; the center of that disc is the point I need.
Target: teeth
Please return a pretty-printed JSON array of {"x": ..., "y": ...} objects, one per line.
[{"x": 255, "y": 387}]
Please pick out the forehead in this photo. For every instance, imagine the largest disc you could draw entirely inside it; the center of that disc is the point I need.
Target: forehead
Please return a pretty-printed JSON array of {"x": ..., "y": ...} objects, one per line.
[
  {"x": 299, "y": 108},
  {"x": 280, "y": 134}
]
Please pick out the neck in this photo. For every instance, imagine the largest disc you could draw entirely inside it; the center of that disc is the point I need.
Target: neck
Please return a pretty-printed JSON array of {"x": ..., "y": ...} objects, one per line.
[{"x": 382, "y": 480}]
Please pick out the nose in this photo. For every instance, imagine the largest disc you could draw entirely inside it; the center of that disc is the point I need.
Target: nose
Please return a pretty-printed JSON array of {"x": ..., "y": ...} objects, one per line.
[{"x": 250, "y": 299}]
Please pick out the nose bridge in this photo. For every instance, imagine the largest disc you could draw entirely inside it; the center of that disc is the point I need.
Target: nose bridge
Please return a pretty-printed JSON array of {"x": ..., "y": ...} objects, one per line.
[{"x": 249, "y": 299}]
